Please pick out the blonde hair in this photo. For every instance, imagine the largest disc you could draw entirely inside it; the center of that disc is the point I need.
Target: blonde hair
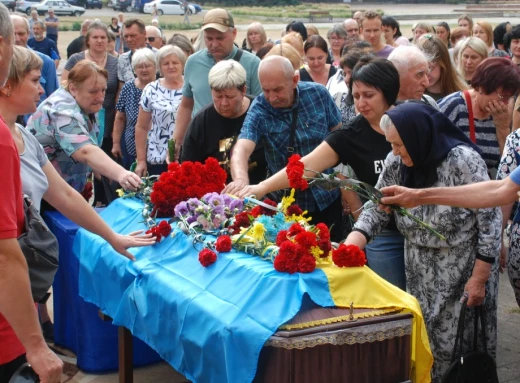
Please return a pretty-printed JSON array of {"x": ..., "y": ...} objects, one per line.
[
  {"x": 24, "y": 61},
  {"x": 312, "y": 30},
  {"x": 489, "y": 31},
  {"x": 296, "y": 40},
  {"x": 288, "y": 51},
  {"x": 227, "y": 74},
  {"x": 474, "y": 43},
  {"x": 259, "y": 28}
]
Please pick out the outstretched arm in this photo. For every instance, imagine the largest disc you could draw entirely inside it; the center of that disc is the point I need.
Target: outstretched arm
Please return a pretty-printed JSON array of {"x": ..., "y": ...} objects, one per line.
[{"x": 474, "y": 196}]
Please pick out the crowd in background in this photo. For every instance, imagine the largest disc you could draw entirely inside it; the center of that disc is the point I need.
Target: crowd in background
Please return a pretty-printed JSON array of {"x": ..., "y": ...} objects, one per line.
[{"x": 436, "y": 108}]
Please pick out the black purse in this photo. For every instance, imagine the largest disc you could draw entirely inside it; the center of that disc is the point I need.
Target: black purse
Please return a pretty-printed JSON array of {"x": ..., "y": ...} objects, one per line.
[
  {"x": 40, "y": 248},
  {"x": 474, "y": 366}
]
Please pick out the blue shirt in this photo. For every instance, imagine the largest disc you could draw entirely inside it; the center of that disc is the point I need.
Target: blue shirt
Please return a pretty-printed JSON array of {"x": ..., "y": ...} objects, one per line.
[
  {"x": 317, "y": 115},
  {"x": 515, "y": 176},
  {"x": 46, "y": 46},
  {"x": 196, "y": 71}
]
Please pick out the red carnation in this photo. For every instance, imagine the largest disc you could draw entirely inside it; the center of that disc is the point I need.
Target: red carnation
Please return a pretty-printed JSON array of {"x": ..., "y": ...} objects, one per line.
[
  {"x": 280, "y": 263},
  {"x": 324, "y": 231},
  {"x": 348, "y": 256},
  {"x": 223, "y": 244},
  {"x": 295, "y": 229},
  {"x": 281, "y": 237},
  {"x": 241, "y": 221},
  {"x": 207, "y": 257},
  {"x": 290, "y": 250},
  {"x": 306, "y": 239},
  {"x": 164, "y": 228},
  {"x": 269, "y": 202},
  {"x": 325, "y": 246},
  {"x": 155, "y": 233},
  {"x": 294, "y": 209},
  {"x": 256, "y": 211},
  {"x": 295, "y": 170},
  {"x": 307, "y": 264}
]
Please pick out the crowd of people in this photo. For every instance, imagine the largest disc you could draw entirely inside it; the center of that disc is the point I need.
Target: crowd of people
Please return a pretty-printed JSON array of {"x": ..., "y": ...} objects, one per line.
[{"x": 437, "y": 108}]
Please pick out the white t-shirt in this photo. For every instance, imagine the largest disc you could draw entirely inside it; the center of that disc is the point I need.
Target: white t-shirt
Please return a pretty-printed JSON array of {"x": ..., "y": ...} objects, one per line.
[{"x": 162, "y": 103}]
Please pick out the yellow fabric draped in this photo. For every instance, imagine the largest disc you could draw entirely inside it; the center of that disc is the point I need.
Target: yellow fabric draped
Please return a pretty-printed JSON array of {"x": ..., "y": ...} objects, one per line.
[{"x": 367, "y": 290}]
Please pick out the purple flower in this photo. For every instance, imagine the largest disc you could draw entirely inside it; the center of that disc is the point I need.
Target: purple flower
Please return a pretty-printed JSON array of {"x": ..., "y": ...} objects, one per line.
[
  {"x": 193, "y": 203},
  {"x": 227, "y": 199},
  {"x": 204, "y": 222},
  {"x": 181, "y": 209},
  {"x": 191, "y": 219},
  {"x": 215, "y": 200},
  {"x": 219, "y": 209},
  {"x": 236, "y": 204},
  {"x": 217, "y": 221},
  {"x": 206, "y": 197}
]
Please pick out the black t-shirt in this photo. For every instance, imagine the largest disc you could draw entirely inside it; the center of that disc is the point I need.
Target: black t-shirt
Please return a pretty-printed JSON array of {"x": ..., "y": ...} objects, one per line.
[
  {"x": 305, "y": 76},
  {"x": 361, "y": 147},
  {"x": 77, "y": 45},
  {"x": 212, "y": 135}
]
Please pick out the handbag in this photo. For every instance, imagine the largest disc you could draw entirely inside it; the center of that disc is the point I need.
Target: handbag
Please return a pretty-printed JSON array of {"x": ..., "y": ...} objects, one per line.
[
  {"x": 40, "y": 248},
  {"x": 475, "y": 366}
]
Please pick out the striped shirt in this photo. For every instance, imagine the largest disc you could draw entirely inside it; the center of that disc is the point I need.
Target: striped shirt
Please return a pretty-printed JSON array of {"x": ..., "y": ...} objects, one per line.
[
  {"x": 455, "y": 108},
  {"x": 317, "y": 115}
]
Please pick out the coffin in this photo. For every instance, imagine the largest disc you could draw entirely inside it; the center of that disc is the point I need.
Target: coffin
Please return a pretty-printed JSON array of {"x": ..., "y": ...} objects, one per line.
[{"x": 321, "y": 345}]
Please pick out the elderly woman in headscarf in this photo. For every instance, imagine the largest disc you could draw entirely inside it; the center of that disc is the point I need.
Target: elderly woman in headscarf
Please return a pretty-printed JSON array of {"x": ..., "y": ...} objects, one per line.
[{"x": 429, "y": 151}]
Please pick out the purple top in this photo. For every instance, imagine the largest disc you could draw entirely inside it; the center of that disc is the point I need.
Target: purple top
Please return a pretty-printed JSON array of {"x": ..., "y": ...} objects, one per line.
[{"x": 385, "y": 52}]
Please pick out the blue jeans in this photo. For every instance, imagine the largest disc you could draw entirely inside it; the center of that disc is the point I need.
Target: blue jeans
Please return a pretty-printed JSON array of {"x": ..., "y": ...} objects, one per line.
[
  {"x": 128, "y": 159},
  {"x": 385, "y": 256}
]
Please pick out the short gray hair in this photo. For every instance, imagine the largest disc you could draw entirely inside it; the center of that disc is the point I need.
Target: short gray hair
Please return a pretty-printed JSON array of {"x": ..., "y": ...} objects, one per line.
[
  {"x": 227, "y": 74},
  {"x": 142, "y": 56},
  {"x": 22, "y": 19},
  {"x": 338, "y": 30},
  {"x": 40, "y": 23},
  {"x": 155, "y": 29},
  {"x": 283, "y": 63},
  {"x": 6, "y": 26},
  {"x": 168, "y": 50},
  {"x": 386, "y": 123},
  {"x": 405, "y": 58}
]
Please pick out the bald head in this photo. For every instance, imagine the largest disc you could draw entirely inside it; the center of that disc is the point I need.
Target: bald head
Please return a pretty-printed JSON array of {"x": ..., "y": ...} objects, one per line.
[
  {"x": 278, "y": 64},
  {"x": 154, "y": 36},
  {"x": 352, "y": 27},
  {"x": 85, "y": 25},
  {"x": 278, "y": 80}
]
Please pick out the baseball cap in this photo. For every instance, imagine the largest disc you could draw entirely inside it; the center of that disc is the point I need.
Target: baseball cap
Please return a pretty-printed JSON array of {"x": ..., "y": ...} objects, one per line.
[{"x": 218, "y": 19}]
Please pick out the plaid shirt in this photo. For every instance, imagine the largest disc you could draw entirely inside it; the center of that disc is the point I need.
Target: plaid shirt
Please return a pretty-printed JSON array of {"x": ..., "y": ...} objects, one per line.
[{"x": 317, "y": 115}]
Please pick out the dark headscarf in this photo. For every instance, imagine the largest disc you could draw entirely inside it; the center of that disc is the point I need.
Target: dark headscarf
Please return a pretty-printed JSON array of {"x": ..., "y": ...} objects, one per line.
[{"x": 428, "y": 136}]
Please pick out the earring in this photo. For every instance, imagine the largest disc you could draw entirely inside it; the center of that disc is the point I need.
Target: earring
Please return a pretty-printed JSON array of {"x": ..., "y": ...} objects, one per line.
[{"x": 8, "y": 94}]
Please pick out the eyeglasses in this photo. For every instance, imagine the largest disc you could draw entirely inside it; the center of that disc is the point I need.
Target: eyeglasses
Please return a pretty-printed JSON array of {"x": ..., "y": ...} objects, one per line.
[
  {"x": 503, "y": 98},
  {"x": 336, "y": 38},
  {"x": 150, "y": 39}
]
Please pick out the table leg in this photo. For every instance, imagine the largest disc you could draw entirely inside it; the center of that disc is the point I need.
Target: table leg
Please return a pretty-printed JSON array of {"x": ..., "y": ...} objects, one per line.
[
  {"x": 125, "y": 351},
  {"x": 126, "y": 374}
]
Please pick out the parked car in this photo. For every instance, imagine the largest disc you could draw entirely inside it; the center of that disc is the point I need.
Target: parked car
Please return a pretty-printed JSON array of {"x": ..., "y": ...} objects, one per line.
[
  {"x": 197, "y": 7},
  {"x": 9, "y": 4},
  {"x": 122, "y": 5},
  {"x": 25, "y": 6},
  {"x": 60, "y": 8},
  {"x": 86, "y": 3},
  {"x": 168, "y": 7}
]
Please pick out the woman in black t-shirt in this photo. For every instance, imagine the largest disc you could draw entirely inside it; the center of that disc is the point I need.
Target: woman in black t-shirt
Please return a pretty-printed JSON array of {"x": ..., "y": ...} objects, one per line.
[{"x": 362, "y": 145}]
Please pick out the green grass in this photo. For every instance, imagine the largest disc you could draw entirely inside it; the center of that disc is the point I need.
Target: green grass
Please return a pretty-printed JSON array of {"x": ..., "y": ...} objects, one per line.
[{"x": 515, "y": 311}]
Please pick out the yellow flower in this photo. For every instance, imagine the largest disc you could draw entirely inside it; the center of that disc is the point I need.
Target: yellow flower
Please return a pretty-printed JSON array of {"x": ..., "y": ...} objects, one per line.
[
  {"x": 120, "y": 192},
  {"x": 288, "y": 201},
  {"x": 258, "y": 231},
  {"x": 316, "y": 251}
]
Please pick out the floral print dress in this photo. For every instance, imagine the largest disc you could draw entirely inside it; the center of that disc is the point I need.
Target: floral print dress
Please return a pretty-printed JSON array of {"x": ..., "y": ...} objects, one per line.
[
  {"x": 510, "y": 161},
  {"x": 437, "y": 270}
]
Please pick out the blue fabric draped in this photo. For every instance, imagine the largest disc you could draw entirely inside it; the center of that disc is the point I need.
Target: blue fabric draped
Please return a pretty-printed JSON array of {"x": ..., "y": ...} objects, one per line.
[{"x": 208, "y": 323}]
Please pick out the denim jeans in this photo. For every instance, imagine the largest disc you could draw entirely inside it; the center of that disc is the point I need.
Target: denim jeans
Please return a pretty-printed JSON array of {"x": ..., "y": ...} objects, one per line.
[
  {"x": 128, "y": 159},
  {"x": 385, "y": 256}
]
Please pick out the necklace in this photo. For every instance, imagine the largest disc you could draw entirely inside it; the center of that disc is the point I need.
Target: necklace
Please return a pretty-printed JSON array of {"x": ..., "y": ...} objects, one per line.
[{"x": 100, "y": 63}]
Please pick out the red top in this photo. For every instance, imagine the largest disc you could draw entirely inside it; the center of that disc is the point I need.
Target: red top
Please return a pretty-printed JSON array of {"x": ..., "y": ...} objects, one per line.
[{"x": 11, "y": 226}]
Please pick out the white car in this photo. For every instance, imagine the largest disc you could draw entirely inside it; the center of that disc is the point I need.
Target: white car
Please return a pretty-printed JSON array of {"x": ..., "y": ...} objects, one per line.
[
  {"x": 25, "y": 6},
  {"x": 60, "y": 8},
  {"x": 168, "y": 7}
]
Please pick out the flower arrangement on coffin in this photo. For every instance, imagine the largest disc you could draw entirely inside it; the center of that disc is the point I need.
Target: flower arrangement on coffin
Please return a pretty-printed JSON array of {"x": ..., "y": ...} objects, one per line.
[
  {"x": 279, "y": 233},
  {"x": 298, "y": 180},
  {"x": 161, "y": 194}
]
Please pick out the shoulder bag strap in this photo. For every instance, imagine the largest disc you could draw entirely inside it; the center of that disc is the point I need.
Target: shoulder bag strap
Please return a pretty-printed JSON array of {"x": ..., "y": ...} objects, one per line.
[
  {"x": 238, "y": 55},
  {"x": 460, "y": 332},
  {"x": 479, "y": 313},
  {"x": 292, "y": 133},
  {"x": 471, "y": 119}
]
